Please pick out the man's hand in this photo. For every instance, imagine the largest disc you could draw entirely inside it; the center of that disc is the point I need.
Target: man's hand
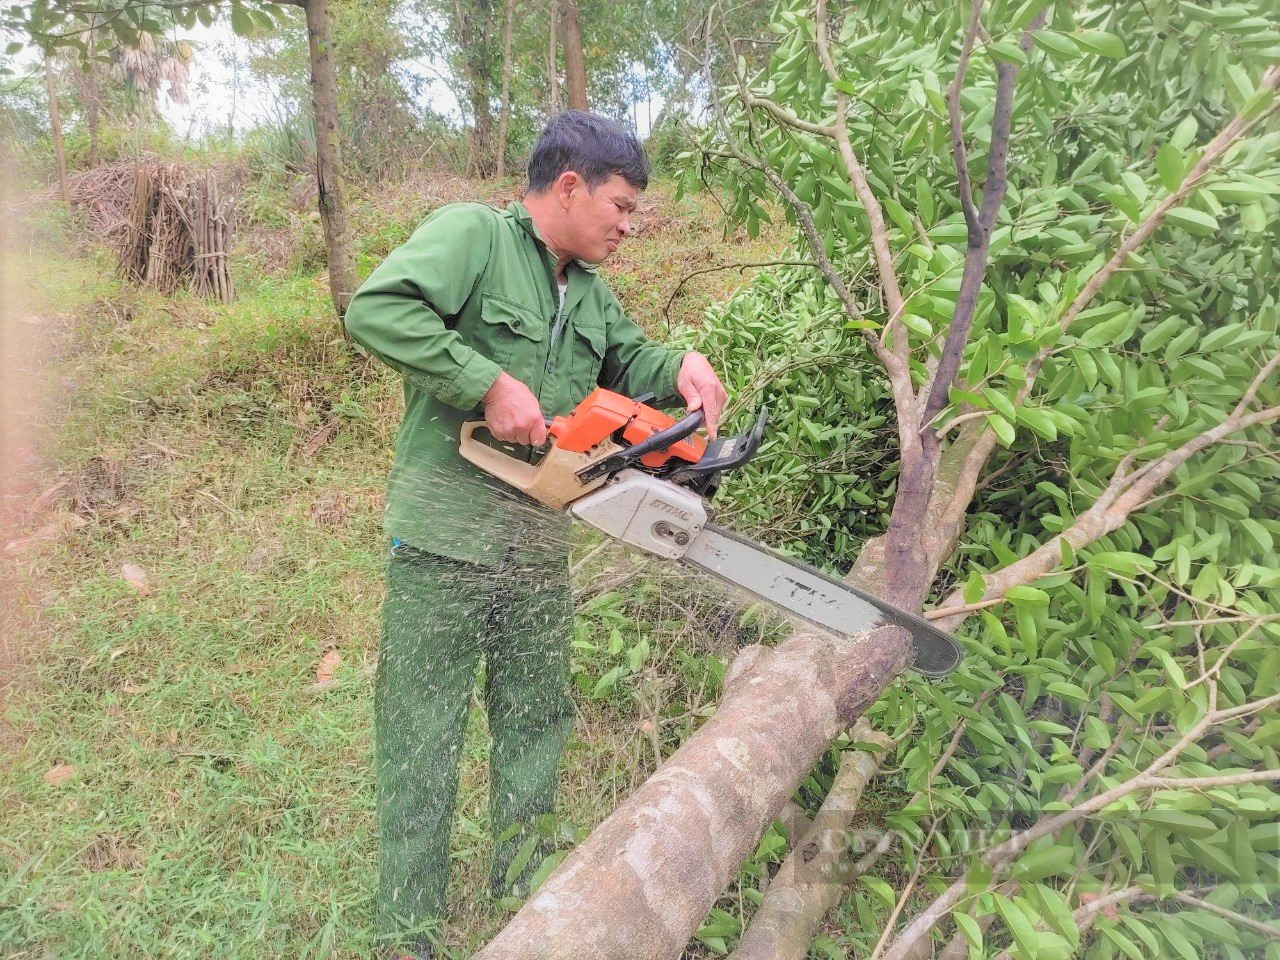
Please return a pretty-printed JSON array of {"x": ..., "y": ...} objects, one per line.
[
  {"x": 512, "y": 414},
  {"x": 702, "y": 389}
]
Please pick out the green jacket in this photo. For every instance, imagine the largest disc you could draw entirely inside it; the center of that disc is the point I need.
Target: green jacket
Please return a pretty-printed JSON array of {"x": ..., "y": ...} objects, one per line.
[{"x": 473, "y": 292}]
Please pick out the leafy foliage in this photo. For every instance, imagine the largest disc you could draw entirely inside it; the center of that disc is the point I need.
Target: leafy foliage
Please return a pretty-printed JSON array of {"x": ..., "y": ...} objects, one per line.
[{"x": 1166, "y": 620}]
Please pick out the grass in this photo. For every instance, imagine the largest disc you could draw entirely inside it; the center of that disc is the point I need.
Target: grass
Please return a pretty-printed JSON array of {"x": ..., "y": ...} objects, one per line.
[{"x": 221, "y": 801}]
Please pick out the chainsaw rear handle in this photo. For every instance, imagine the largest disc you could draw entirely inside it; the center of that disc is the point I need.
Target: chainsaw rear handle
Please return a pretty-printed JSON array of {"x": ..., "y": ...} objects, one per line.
[{"x": 480, "y": 419}]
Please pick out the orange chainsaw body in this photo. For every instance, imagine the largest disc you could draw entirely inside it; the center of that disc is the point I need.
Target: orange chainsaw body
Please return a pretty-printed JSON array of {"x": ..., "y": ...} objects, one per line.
[{"x": 604, "y": 412}]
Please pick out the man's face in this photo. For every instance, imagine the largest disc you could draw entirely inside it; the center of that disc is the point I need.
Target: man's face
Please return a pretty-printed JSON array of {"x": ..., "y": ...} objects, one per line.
[{"x": 597, "y": 220}]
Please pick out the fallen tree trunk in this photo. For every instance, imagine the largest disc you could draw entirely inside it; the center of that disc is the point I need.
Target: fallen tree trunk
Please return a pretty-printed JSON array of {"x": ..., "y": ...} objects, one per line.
[{"x": 644, "y": 880}]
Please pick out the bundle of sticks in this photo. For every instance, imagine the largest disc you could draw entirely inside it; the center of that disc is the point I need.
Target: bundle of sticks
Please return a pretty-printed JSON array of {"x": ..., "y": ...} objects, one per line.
[{"x": 179, "y": 230}]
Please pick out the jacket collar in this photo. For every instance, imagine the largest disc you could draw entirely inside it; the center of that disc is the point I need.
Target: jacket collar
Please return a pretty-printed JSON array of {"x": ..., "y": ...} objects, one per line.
[{"x": 520, "y": 213}]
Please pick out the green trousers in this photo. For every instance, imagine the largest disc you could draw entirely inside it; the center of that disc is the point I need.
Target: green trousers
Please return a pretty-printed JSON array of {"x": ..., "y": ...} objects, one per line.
[{"x": 440, "y": 615}]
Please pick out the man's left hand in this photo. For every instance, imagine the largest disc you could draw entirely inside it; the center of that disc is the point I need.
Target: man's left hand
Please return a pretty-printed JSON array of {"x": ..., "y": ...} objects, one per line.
[{"x": 702, "y": 389}]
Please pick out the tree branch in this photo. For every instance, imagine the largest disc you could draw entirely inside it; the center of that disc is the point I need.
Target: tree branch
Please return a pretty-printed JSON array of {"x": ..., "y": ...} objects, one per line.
[
  {"x": 977, "y": 440},
  {"x": 981, "y": 222},
  {"x": 1239, "y": 919},
  {"x": 666, "y": 311},
  {"x": 892, "y": 292},
  {"x": 958, "y": 150},
  {"x": 897, "y": 369},
  {"x": 785, "y": 116}
]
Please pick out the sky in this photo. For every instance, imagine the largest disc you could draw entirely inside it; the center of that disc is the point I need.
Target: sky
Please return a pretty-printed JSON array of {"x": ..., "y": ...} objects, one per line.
[
  {"x": 223, "y": 95},
  {"x": 216, "y": 101}
]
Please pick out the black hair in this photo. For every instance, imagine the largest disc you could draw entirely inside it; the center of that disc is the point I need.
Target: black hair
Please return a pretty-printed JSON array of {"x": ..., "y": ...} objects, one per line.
[{"x": 591, "y": 146}]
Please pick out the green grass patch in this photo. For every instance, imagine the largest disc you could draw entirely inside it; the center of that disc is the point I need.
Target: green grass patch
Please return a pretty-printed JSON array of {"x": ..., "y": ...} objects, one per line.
[{"x": 221, "y": 803}]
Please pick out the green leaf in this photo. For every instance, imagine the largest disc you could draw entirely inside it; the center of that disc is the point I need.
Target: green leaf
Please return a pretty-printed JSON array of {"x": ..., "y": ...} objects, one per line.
[
  {"x": 1185, "y": 135},
  {"x": 1027, "y": 596},
  {"x": 1024, "y": 933},
  {"x": 1257, "y": 104},
  {"x": 1108, "y": 331},
  {"x": 1008, "y": 52},
  {"x": 969, "y": 927},
  {"x": 1026, "y": 13},
  {"x": 521, "y": 859},
  {"x": 1193, "y": 221},
  {"x": 1171, "y": 166},
  {"x": 1055, "y": 43},
  {"x": 1180, "y": 823},
  {"x": 918, "y": 325},
  {"x": 1142, "y": 933},
  {"x": 1160, "y": 857},
  {"x": 1239, "y": 86},
  {"x": 1253, "y": 218},
  {"x": 1048, "y": 862},
  {"x": 1161, "y": 334},
  {"x": 1054, "y": 910},
  {"x": 882, "y": 889},
  {"x": 898, "y": 213},
  {"x": 637, "y": 655},
  {"x": 1003, "y": 429},
  {"x": 241, "y": 21},
  {"x": 544, "y": 869},
  {"x": 1100, "y": 42},
  {"x": 1258, "y": 533},
  {"x": 1127, "y": 946},
  {"x": 1121, "y": 562},
  {"x": 1171, "y": 668},
  {"x": 1070, "y": 691},
  {"x": 1181, "y": 945},
  {"x": 1000, "y": 403},
  {"x": 1039, "y": 421},
  {"x": 607, "y": 682}
]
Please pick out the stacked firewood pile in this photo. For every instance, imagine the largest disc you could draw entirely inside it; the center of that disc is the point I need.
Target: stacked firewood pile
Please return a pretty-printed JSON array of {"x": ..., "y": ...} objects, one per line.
[
  {"x": 171, "y": 224},
  {"x": 179, "y": 229}
]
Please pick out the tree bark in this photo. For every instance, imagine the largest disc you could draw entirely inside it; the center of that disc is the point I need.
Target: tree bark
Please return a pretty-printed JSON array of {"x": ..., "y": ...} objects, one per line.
[
  {"x": 55, "y": 122},
  {"x": 640, "y": 885},
  {"x": 92, "y": 93},
  {"x": 473, "y": 27},
  {"x": 553, "y": 68},
  {"x": 504, "y": 113},
  {"x": 343, "y": 278},
  {"x": 575, "y": 68}
]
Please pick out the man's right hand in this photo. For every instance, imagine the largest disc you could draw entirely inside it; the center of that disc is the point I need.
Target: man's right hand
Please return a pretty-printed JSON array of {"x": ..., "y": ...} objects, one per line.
[{"x": 512, "y": 414}]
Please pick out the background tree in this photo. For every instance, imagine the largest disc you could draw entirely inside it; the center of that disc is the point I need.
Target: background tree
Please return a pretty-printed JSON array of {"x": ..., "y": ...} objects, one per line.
[
  {"x": 53, "y": 26},
  {"x": 553, "y": 61},
  {"x": 55, "y": 126},
  {"x": 1051, "y": 232},
  {"x": 504, "y": 113},
  {"x": 475, "y": 31},
  {"x": 575, "y": 68}
]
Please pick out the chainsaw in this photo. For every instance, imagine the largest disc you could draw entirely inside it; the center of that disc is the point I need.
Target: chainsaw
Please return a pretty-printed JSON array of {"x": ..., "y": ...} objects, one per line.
[{"x": 639, "y": 476}]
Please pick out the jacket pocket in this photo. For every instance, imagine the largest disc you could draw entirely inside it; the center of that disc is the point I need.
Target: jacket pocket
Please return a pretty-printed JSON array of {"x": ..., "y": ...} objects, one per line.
[
  {"x": 510, "y": 334},
  {"x": 588, "y": 358},
  {"x": 519, "y": 319}
]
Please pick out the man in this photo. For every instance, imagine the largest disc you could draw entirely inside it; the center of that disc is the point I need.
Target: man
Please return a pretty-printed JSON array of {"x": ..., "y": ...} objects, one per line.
[{"x": 499, "y": 312}]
